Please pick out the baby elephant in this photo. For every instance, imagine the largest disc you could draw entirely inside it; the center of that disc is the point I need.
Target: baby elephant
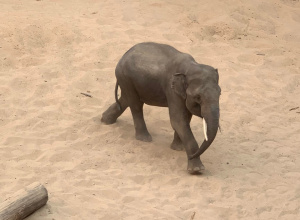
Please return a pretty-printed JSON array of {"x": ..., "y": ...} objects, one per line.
[{"x": 160, "y": 75}]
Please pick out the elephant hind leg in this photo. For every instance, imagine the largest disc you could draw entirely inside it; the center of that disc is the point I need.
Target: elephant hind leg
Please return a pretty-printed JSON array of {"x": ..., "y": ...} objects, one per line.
[
  {"x": 113, "y": 112},
  {"x": 141, "y": 131},
  {"x": 136, "y": 106}
]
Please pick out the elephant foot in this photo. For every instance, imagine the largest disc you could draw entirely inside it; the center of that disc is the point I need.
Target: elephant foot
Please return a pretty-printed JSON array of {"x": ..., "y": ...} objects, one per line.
[
  {"x": 106, "y": 119},
  {"x": 110, "y": 116},
  {"x": 177, "y": 146},
  {"x": 145, "y": 136},
  {"x": 195, "y": 166}
]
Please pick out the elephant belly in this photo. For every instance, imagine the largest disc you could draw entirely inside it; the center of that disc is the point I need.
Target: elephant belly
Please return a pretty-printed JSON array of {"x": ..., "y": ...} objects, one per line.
[
  {"x": 152, "y": 93},
  {"x": 158, "y": 101}
]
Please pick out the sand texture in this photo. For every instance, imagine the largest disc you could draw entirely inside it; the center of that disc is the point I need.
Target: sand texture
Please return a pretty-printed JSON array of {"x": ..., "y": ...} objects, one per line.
[{"x": 51, "y": 51}]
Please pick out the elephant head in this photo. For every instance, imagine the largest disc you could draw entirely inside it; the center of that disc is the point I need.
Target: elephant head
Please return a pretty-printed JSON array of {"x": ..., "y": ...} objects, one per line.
[{"x": 201, "y": 92}]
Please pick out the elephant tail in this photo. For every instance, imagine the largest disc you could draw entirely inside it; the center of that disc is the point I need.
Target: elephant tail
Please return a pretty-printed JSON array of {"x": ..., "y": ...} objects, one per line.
[{"x": 116, "y": 96}]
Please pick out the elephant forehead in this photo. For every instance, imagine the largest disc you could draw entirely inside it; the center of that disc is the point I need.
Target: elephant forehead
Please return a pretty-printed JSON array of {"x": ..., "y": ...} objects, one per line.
[
  {"x": 204, "y": 89},
  {"x": 204, "y": 74}
]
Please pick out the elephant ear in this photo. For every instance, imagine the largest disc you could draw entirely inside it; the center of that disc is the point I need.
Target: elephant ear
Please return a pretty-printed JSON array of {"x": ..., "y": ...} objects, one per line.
[{"x": 179, "y": 84}]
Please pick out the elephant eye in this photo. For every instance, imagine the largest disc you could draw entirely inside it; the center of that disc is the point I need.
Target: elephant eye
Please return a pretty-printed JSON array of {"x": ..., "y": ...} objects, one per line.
[{"x": 197, "y": 98}]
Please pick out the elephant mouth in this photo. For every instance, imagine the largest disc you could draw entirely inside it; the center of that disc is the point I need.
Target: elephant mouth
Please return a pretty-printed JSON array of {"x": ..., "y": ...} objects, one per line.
[{"x": 195, "y": 109}]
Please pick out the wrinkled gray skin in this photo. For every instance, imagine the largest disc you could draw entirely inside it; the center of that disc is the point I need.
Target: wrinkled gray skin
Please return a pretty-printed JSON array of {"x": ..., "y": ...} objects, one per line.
[{"x": 160, "y": 75}]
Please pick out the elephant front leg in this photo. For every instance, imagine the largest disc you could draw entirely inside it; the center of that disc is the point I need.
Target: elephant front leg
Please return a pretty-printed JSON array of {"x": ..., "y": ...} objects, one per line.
[
  {"x": 177, "y": 143},
  {"x": 180, "y": 121},
  {"x": 195, "y": 165}
]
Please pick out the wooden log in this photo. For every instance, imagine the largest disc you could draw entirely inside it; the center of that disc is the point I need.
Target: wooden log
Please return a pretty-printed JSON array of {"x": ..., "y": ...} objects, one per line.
[{"x": 24, "y": 202}]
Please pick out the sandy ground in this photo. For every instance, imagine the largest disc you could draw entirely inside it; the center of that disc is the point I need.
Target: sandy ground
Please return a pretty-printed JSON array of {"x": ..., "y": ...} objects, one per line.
[{"x": 51, "y": 51}]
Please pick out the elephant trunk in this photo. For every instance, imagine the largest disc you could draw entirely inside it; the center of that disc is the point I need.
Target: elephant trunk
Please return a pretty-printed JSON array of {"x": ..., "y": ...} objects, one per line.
[{"x": 212, "y": 119}]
